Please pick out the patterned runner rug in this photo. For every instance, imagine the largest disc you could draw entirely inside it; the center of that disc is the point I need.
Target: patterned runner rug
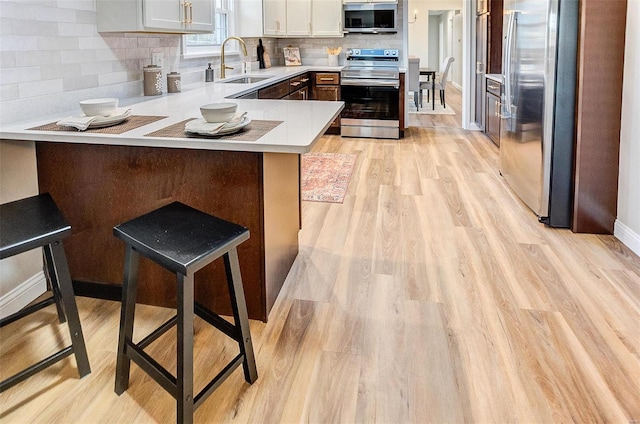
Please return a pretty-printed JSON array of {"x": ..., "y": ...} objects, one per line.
[
  {"x": 326, "y": 176},
  {"x": 427, "y": 107}
]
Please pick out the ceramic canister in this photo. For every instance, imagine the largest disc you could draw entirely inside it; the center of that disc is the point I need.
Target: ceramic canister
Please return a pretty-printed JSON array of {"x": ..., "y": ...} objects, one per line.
[
  {"x": 152, "y": 80},
  {"x": 173, "y": 82}
]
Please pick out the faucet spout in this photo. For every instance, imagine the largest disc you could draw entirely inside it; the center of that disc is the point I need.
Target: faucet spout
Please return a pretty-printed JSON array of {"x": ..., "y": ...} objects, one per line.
[{"x": 223, "y": 68}]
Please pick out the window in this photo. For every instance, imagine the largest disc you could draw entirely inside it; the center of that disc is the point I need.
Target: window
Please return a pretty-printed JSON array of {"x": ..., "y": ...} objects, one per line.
[{"x": 208, "y": 44}]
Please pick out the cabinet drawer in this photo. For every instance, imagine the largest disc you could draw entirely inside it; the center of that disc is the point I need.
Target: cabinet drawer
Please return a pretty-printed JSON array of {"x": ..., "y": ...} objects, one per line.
[
  {"x": 296, "y": 83},
  {"x": 327, "y": 78},
  {"x": 275, "y": 91},
  {"x": 493, "y": 87}
]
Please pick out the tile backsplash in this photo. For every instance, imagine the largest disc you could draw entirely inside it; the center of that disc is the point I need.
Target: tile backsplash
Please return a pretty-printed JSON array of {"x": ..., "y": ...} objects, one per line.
[{"x": 51, "y": 56}]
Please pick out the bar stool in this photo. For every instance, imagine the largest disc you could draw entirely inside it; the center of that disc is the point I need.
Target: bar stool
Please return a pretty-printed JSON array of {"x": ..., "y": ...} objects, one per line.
[
  {"x": 28, "y": 224},
  {"x": 182, "y": 240}
]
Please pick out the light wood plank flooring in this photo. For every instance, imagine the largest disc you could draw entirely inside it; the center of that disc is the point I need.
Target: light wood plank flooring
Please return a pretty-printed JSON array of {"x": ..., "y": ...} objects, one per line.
[{"x": 431, "y": 294}]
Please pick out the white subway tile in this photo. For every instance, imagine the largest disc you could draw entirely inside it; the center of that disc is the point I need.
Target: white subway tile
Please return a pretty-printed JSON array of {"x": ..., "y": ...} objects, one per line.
[
  {"x": 148, "y": 42},
  {"x": 86, "y": 17},
  {"x": 78, "y": 30},
  {"x": 39, "y": 88},
  {"x": 7, "y": 59},
  {"x": 38, "y": 57},
  {"x": 18, "y": 42},
  {"x": 96, "y": 68},
  {"x": 57, "y": 43},
  {"x": 105, "y": 54},
  {"x": 9, "y": 92},
  {"x": 5, "y": 26},
  {"x": 63, "y": 70},
  {"x": 112, "y": 78},
  {"x": 78, "y": 56},
  {"x": 18, "y": 75},
  {"x": 33, "y": 27},
  {"x": 79, "y": 83},
  {"x": 17, "y": 10},
  {"x": 138, "y": 53},
  {"x": 95, "y": 43},
  {"x": 77, "y": 4},
  {"x": 54, "y": 14}
]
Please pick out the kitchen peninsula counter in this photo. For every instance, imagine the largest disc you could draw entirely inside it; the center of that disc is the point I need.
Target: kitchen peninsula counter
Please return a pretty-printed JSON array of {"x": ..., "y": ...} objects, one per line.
[{"x": 102, "y": 180}]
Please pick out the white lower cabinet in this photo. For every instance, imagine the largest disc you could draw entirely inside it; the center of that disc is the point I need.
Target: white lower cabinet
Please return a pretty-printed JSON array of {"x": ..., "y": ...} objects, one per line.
[{"x": 169, "y": 16}]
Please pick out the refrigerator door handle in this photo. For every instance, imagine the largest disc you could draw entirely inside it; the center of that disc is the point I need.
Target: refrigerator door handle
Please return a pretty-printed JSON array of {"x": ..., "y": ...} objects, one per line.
[{"x": 507, "y": 104}]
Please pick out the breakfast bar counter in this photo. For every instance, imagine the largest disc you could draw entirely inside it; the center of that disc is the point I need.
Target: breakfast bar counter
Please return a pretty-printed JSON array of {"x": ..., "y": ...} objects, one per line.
[{"x": 101, "y": 179}]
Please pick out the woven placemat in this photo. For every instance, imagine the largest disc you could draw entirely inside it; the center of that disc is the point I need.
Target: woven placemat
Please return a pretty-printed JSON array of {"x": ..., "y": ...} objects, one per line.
[
  {"x": 132, "y": 122},
  {"x": 252, "y": 132}
]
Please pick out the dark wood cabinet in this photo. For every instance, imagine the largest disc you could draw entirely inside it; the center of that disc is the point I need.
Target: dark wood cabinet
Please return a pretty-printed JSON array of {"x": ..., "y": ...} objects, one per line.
[
  {"x": 326, "y": 86},
  {"x": 275, "y": 91},
  {"x": 295, "y": 88}
]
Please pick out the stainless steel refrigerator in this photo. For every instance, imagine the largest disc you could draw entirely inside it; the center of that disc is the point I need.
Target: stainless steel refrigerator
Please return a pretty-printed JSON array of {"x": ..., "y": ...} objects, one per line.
[{"x": 537, "y": 128}]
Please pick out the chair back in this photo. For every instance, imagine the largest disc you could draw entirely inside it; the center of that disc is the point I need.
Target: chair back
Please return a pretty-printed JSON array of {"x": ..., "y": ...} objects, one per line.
[
  {"x": 413, "y": 83},
  {"x": 444, "y": 69}
]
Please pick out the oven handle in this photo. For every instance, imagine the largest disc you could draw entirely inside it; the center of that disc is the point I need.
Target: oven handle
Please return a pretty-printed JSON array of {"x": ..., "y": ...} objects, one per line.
[{"x": 370, "y": 82}]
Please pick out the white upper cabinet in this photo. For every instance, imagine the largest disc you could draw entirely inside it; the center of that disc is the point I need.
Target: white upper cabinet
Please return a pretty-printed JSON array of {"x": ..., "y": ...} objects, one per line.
[
  {"x": 275, "y": 17},
  {"x": 169, "y": 16},
  {"x": 369, "y": 1},
  {"x": 326, "y": 18},
  {"x": 298, "y": 18},
  {"x": 249, "y": 18},
  {"x": 303, "y": 18}
]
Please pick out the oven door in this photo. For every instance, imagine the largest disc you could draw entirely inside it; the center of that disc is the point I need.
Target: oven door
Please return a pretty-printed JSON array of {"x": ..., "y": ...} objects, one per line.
[{"x": 371, "y": 99}]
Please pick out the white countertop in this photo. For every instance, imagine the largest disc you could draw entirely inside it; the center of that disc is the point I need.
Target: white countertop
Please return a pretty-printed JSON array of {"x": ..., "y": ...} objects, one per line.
[{"x": 303, "y": 121}]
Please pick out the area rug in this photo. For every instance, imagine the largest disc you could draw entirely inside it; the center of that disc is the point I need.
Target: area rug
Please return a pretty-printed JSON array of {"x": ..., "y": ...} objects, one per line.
[
  {"x": 325, "y": 176},
  {"x": 427, "y": 107}
]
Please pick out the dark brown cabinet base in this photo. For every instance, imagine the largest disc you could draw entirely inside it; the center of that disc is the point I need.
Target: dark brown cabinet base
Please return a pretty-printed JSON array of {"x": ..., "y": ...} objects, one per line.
[{"x": 98, "y": 187}]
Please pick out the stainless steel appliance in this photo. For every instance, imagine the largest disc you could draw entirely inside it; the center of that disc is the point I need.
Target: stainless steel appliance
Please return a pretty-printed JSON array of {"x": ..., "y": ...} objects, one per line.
[
  {"x": 538, "y": 105},
  {"x": 370, "y": 89},
  {"x": 370, "y": 17}
]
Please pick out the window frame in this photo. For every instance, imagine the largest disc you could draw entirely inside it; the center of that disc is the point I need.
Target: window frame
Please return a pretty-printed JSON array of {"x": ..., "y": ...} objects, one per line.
[{"x": 214, "y": 50}]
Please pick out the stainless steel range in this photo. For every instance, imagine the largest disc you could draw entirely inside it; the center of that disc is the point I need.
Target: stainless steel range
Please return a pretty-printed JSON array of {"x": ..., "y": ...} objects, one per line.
[{"x": 370, "y": 86}]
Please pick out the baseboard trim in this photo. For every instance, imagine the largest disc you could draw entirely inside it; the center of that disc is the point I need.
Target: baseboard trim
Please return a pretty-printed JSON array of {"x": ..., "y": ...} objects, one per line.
[
  {"x": 97, "y": 290},
  {"x": 627, "y": 236},
  {"x": 23, "y": 294}
]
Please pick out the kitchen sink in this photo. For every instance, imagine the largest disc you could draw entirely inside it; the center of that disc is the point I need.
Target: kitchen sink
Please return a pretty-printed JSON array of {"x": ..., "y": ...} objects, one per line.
[{"x": 245, "y": 79}]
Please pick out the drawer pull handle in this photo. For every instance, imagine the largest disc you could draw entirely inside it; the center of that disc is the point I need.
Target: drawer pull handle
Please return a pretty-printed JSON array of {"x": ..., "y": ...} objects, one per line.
[{"x": 326, "y": 79}]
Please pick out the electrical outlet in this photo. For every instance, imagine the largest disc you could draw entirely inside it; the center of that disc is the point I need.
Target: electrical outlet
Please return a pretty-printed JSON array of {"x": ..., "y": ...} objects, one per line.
[{"x": 157, "y": 59}]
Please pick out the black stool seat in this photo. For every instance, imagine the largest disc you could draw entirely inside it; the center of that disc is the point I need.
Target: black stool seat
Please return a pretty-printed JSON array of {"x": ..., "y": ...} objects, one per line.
[
  {"x": 31, "y": 223},
  {"x": 180, "y": 238},
  {"x": 183, "y": 240}
]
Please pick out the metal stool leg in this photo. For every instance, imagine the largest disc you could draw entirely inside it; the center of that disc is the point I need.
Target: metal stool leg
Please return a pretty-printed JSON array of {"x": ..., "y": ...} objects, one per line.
[
  {"x": 49, "y": 274},
  {"x": 239, "y": 306},
  {"x": 59, "y": 270},
  {"x": 184, "y": 394},
  {"x": 127, "y": 313}
]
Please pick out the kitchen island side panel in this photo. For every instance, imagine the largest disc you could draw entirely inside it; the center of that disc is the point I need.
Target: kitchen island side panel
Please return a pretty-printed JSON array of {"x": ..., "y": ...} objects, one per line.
[{"x": 98, "y": 187}]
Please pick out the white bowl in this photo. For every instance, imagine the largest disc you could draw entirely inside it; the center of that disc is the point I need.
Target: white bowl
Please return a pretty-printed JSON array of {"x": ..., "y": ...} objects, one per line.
[
  {"x": 99, "y": 107},
  {"x": 218, "y": 112}
]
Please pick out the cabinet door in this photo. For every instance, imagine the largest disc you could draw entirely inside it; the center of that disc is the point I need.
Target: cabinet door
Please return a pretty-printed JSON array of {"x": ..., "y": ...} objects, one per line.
[
  {"x": 299, "y": 18},
  {"x": 326, "y": 18},
  {"x": 493, "y": 118},
  {"x": 326, "y": 92},
  {"x": 178, "y": 15},
  {"x": 275, "y": 17}
]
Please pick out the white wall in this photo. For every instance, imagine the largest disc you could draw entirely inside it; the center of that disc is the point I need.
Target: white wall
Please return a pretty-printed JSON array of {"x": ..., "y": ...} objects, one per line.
[
  {"x": 419, "y": 32},
  {"x": 627, "y": 227}
]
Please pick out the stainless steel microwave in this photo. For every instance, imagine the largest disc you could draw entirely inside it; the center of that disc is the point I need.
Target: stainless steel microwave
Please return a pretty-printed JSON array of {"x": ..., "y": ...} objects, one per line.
[{"x": 370, "y": 17}]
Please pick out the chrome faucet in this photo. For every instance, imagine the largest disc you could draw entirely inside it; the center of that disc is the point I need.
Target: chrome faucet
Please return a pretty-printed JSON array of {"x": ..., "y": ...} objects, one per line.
[{"x": 223, "y": 68}]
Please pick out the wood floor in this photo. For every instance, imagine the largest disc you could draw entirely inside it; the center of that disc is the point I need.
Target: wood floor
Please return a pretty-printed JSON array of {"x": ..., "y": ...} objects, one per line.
[{"x": 431, "y": 294}]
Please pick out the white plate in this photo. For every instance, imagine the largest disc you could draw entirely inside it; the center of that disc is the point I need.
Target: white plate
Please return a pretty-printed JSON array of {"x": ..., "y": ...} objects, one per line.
[
  {"x": 202, "y": 127},
  {"x": 105, "y": 121}
]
